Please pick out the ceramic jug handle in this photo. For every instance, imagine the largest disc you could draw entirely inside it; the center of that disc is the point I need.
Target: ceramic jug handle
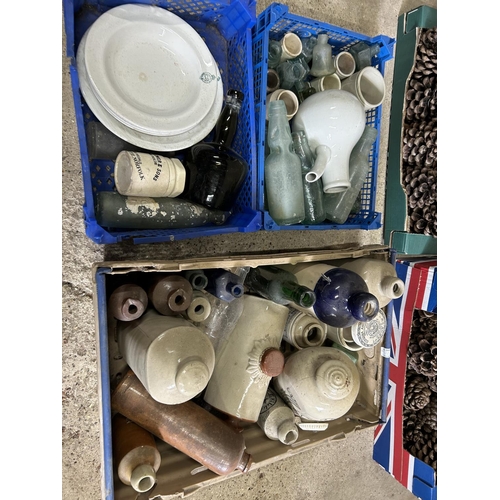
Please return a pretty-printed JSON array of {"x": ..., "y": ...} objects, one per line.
[{"x": 323, "y": 155}]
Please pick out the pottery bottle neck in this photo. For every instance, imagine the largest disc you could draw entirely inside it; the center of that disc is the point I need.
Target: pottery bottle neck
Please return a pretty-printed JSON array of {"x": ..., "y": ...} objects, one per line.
[
  {"x": 192, "y": 376},
  {"x": 225, "y": 128},
  {"x": 143, "y": 478},
  {"x": 363, "y": 306},
  {"x": 392, "y": 287},
  {"x": 287, "y": 432}
]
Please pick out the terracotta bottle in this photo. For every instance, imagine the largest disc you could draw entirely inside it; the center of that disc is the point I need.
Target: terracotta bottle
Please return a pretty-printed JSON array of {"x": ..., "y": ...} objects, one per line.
[
  {"x": 248, "y": 359},
  {"x": 187, "y": 427},
  {"x": 318, "y": 383},
  {"x": 170, "y": 294},
  {"x": 380, "y": 277},
  {"x": 277, "y": 420},
  {"x": 135, "y": 454},
  {"x": 128, "y": 302},
  {"x": 171, "y": 357}
]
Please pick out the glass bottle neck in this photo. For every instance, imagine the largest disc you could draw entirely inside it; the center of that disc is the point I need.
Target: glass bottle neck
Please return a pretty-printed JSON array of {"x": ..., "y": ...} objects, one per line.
[
  {"x": 225, "y": 128},
  {"x": 302, "y": 149},
  {"x": 279, "y": 133}
]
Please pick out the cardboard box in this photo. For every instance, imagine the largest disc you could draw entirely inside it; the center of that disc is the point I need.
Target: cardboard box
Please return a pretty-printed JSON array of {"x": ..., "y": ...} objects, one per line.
[
  {"x": 396, "y": 233},
  {"x": 420, "y": 277},
  {"x": 179, "y": 473}
]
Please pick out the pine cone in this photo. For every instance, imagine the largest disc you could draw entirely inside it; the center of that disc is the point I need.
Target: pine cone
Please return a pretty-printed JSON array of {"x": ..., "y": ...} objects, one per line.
[
  {"x": 417, "y": 393},
  {"x": 427, "y": 416},
  {"x": 422, "y": 348}
]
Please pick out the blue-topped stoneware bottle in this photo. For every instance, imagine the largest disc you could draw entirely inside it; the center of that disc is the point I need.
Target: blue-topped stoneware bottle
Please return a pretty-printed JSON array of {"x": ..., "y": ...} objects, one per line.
[{"x": 342, "y": 298}]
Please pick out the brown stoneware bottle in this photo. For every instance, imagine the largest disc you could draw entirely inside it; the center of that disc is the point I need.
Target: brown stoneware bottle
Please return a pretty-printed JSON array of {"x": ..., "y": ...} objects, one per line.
[
  {"x": 128, "y": 302},
  {"x": 171, "y": 294}
]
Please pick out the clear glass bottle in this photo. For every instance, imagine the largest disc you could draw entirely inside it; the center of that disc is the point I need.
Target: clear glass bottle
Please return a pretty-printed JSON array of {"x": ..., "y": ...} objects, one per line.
[
  {"x": 215, "y": 173},
  {"x": 292, "y": 71},
  {"x": 308, "y": 43},
  {"x": 283, "y": 170},
  {"x": 363, "y": 54},
  {"x": 274, "y": 54},
  {"x": 271, "y": 283},
  {"x": 303, "y": 90},
  {"x": 313, "y": 191},
  {"x": 338, "y": 205},
  {"x": 322, "y": 59}
]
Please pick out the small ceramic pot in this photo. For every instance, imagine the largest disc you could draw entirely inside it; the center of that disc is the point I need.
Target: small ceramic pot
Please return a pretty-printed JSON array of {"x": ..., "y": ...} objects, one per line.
[
  {"x": 327, "y": 82},
  {"x": 248, "y": 360},
  {"x": 367, "y": 85},
  {"x": 344, "y": 64},
  {"x": 332, "y": 119},
  {"x": 154, "y": 176},
  {"x": 291, "y": 46},
  {"x": 288, "y": 97},
  {"x": 319, "y": 383}
]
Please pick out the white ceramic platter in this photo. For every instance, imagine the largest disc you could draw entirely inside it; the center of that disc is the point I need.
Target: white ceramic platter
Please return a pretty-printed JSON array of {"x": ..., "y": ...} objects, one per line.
[
  {"x": 145, "y": 141},
  {"x": 150, "y": 69}
]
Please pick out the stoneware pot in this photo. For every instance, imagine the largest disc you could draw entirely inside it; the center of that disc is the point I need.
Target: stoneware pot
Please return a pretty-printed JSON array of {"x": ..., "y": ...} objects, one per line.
[
  {"x": 288, "y": 97},
  {"x": 367, "y": 85},
  {"x": 333, "y": 120}
]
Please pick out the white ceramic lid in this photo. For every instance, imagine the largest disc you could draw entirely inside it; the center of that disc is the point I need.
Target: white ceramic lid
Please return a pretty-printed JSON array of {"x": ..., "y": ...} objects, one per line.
[
  {"x": 145, "y": 141},
  {"x": 150, "y": 69},
  {"x": 369, "y": 333}
]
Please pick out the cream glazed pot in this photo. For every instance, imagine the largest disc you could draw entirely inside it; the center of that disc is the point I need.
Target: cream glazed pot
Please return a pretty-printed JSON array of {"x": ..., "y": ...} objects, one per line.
[
  {"x": 172, "y": 358},
  {"x": 319, "y": 383},
  {"x": 333, "y": 120},
  {"x": 248, "y": 360}
]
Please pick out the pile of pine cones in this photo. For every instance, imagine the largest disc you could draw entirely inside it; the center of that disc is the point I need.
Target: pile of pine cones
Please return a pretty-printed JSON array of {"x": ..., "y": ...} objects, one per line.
[
  {"x": 419, "y": 163},
  {"x": 420, "y": 400}
]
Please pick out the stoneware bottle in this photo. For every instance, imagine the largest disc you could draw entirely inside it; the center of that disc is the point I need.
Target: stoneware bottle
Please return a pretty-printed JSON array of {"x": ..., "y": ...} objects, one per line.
[
  {"x": 283, "y": 170},
  {"x": 338, "y": 206},
  {"x": 318, "y": 383},
  {"x": 199, "y": 309},
  {"x": 143, "y": 174},
  {"x": 248, "y": 360},
  {"x": 361, "y": 335},
  {"x": 380, "y": 277},
  {"x": 135, "y": 454},
  {"x": 197, "y": 278},
  {"x": 187, "y": 427},
  {"x": 128, "y": 302},
  {"x": 303, "y": 330},
  {"x": 171, "y": 357},
  {"x": 333, "y": 120},
  {"x": 137, "y": 212},
  {"x": 170, "y": 294},
  {"x": 313, "y": 191},
  {"x": 342, "y": 296},
  {"x": 277, "y": 420}
]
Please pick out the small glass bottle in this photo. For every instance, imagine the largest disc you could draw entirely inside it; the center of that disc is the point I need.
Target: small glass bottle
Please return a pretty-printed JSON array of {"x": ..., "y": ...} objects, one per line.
[
  {"x": 338, "y": 205},
  {"x": 363, "y": 54},
  {"x": 303, "y": 90},
  {"x": 313, "y": 191},
  {"x": 308, "y": 43},
  {"x": 322, "y": 60},
  {"x": 215, "y": 173},
  {"x": 283, "y": 170},
  {"x": 291, "y": 71},
  {"x": 272, "y": 284},
  {"x": 224, "y": 285},
  {"x": 274, "y": 54}
]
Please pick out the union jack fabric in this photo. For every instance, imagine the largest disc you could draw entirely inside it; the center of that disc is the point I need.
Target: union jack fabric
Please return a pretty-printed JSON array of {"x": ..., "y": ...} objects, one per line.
[{"x": 420, "y": 278}]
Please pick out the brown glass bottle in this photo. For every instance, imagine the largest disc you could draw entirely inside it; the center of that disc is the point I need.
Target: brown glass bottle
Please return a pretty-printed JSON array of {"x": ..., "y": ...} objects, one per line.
[
  {"x": 215, "y": 173},
  {"x": 171, "y": 294},
  {"x": 135, "y": 454},
  {"x": 186, "y": 426},
  {"x": 128, "y": 302}
]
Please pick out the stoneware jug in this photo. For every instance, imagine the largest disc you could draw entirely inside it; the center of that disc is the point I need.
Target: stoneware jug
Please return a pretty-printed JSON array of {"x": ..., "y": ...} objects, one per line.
[
  {"x": 248, "y": 360},
  {"x": 333, "y": 120},
  {"x": 170, "y": 356},
  {"x": 319, "y": 383}
]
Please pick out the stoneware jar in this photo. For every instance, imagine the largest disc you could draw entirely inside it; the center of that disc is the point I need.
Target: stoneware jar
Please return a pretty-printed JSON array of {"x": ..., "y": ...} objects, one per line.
[
  {"x": 380, "y": 277},
  {"x": 248, "y": 360},
  {"x": 332, "y": 119},
  {"x": 170, "y": 356},
  {"x": 319, "y": 383},
  {"x": 303, "y": 330}
]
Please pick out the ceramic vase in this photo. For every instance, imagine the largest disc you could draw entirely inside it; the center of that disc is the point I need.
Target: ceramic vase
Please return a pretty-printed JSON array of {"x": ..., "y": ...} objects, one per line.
[{"x": 333, "y": 121}]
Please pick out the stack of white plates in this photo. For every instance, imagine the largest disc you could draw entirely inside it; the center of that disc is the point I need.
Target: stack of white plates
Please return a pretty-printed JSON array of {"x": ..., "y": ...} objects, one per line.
[{"x": 149, "y": 78}]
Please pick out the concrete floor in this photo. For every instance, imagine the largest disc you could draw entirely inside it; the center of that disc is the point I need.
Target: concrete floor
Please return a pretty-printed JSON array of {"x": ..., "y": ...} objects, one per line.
[{"x": 340, "y": 470}]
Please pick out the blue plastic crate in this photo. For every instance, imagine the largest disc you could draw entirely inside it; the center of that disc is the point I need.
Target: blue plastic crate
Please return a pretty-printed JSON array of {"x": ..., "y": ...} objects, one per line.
[
  {"x": 225, "y": 25},
  {"x": 274, "y": 23}
]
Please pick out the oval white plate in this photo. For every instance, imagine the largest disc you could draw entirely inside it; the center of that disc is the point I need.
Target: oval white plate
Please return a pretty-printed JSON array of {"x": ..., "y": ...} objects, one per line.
[
  {"x": 150, "y": 69},
  {"x": 145, "y": 141}
]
